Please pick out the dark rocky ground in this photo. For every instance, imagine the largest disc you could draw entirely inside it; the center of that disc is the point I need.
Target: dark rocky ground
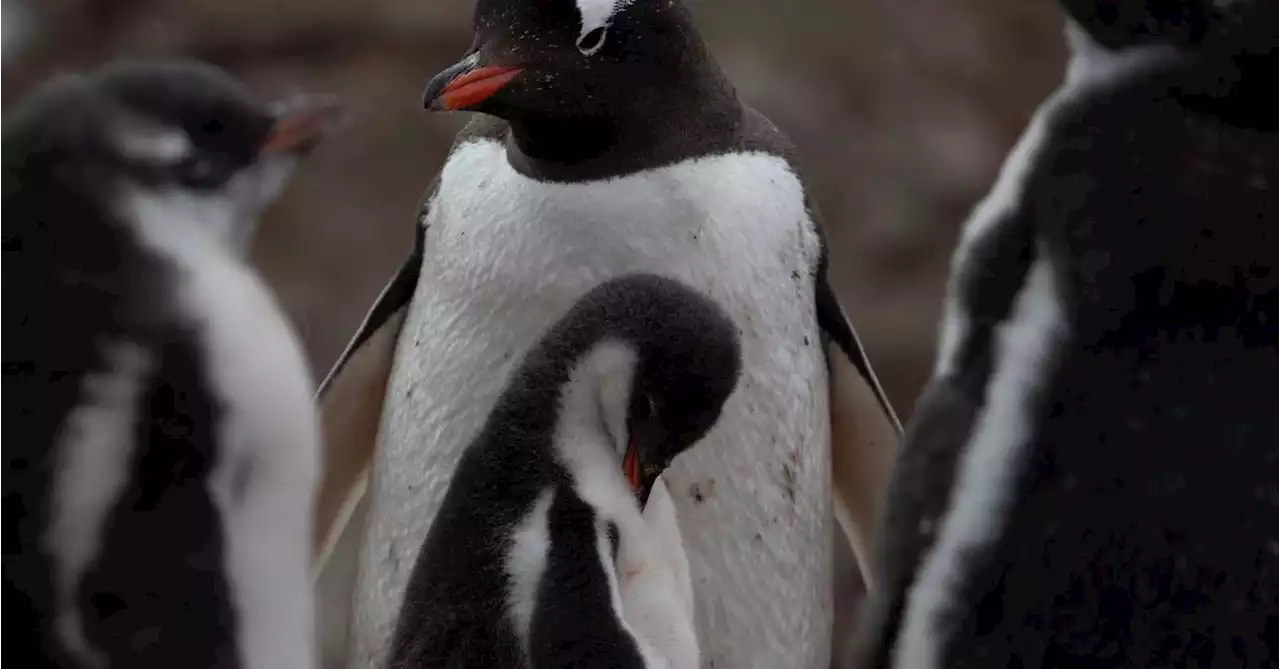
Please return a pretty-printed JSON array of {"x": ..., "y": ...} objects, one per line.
[{"x": 902, "y": 111}]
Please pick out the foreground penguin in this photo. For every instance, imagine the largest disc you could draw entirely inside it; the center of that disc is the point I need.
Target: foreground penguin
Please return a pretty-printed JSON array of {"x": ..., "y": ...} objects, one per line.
[
  {"x": 518, "y": 568},
  {"x": 613, "y": 143},
  {"x": 1090, "y": 477},
  {"x": 163, "y": 444}
]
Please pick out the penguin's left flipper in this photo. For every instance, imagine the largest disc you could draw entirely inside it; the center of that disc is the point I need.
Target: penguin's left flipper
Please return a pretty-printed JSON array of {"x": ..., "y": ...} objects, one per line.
[
  {"x": 350, "y": 400},
  {"x": 865, "y": 431}
]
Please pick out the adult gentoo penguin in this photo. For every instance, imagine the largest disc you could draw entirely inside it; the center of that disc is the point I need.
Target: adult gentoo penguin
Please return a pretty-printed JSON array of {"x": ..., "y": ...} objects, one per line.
[
  {"x": 1089, "y": 478},
  {"x": 520, "y": 566},
  {"x": 611, "y": 142},
  {"x": 165, "y": 447}
]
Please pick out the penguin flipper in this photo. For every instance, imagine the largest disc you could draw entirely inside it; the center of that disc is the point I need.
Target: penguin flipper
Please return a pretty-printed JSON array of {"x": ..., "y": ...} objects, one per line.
[
  {"x": 865, "y": 431},
  {"x": 350, "y": 400}
]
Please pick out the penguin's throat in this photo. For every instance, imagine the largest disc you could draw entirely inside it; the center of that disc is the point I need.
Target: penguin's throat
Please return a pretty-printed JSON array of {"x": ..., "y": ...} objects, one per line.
[
  {"x": 566, "y": 141},
  {"x": 645, "y": 136}
]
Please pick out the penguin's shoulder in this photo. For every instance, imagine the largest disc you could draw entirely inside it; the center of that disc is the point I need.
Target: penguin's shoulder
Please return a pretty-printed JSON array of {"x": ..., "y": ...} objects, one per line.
[
  {"x": 86, "y": 283},
  {"x": 1144, "y": 169},
  {"x": 757, "y": 133},
  {"x": 480, "y": 129},
  {"x": 760, "y": 134}
]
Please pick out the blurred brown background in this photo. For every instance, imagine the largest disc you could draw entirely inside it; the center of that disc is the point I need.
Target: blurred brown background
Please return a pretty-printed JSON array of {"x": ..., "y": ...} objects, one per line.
[{"x": 902, "y": 111}]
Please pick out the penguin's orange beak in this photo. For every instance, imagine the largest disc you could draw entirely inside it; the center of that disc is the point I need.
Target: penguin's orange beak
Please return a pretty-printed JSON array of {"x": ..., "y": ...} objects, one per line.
[
  {"x": 300, "y": 123},
  {"x": 631, "y": 467},
  {"x": 466, "y": 84},
  {"x": 640, "y": 476}
]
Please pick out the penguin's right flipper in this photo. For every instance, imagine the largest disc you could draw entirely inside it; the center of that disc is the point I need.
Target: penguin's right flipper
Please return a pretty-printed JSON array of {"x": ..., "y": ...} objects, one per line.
[{"x": 350, "y": 400}]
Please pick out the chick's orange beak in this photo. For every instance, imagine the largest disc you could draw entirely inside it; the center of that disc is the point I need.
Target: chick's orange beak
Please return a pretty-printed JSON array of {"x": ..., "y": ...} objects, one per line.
[
  {"x": 631, "y": 467},
  {"x": 300, "y": 123}
]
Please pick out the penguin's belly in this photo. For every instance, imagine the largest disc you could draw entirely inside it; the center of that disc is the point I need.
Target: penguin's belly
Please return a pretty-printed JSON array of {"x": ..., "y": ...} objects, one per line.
[{"x": 505, "y": 257}]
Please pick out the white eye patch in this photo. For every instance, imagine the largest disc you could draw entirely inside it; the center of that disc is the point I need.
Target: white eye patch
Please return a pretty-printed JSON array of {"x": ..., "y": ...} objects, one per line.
[
  {"x": 148, "y": 142},
  {"x": 595, "y": 15}
]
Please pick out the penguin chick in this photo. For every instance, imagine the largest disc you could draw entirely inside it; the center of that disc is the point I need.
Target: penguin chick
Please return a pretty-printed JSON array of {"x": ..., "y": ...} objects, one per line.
[
  {"x": 518, "y": 568},
  {"x": 158, "y": 486}
]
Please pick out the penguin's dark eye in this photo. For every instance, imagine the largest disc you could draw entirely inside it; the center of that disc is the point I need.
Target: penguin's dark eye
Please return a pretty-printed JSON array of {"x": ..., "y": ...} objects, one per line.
[
  {"x": 645, "y": 409},
  {"x": 591, "y": 41}
]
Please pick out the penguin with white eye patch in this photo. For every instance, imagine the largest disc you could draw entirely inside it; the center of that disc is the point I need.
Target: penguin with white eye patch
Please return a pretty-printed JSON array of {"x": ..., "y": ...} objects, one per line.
[
  {"x": 538, "y": 555},
  {"x": 163, "y": 444},
  {"x": 1089, "y": 477},
  {"x": 611, "y": 142}
]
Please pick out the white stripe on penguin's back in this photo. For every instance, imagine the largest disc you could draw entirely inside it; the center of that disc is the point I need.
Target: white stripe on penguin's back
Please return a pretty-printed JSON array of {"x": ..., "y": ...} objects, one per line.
[
  {"x": 1090, "y": 67},
  {"x": 995, "y": 208},
  {"x": 988, "y": 466},
  {"x": 525, "y": 564},
  {"x": 269, "y": 437},
  {"x": 93, "y": 462}
]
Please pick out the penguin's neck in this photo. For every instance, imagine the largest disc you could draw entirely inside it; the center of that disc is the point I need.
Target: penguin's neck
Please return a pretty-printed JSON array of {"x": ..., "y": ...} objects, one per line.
[
  {"x": 590, "y": 436},
  {"x": 653, "y": 125},
  {"x": 565, "y": 414}
]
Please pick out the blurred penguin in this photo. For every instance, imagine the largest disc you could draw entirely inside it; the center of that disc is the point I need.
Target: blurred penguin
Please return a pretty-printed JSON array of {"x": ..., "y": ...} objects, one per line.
[
  {"x": 164, "y": 444},
  {"x": 1090, "y": 476}
]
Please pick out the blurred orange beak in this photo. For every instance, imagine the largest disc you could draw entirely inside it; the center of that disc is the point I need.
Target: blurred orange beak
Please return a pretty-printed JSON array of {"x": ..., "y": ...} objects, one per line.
[{"x": 301, "y": 124}]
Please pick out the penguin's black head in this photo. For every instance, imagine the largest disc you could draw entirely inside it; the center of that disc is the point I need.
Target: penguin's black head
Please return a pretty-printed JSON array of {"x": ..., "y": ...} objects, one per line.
[
  {"x": 172, "y": 139},
  {"x": 568, "y": 58},
  {"x": 1224, "y": 50},
  {"x": 680, "y": 362},
  {"x": 1238, "y": 28},
  {"x": 1116, "y": 25}
]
